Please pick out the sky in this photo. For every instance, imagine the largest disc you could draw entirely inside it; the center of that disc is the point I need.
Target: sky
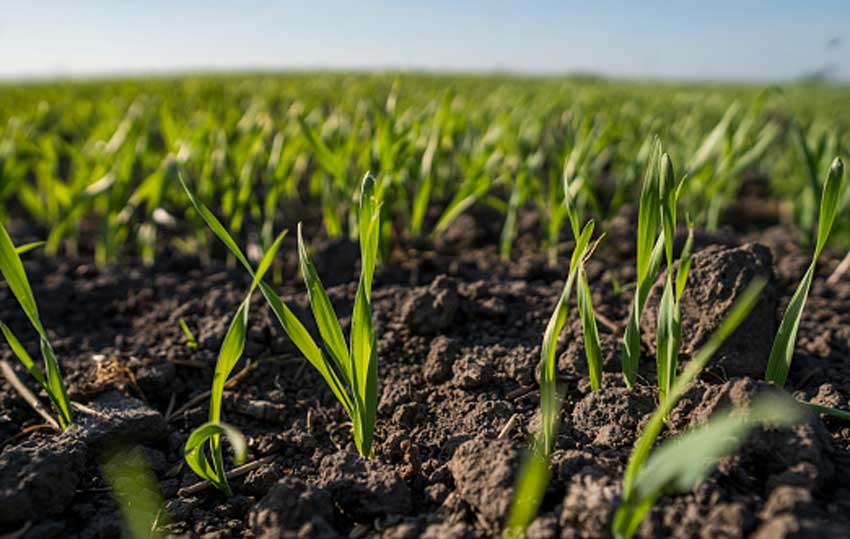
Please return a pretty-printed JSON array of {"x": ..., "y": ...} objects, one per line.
[{"x": 682, "y": 40}]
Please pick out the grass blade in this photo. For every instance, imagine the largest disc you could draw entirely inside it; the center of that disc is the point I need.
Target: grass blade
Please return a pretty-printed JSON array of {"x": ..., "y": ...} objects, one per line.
[
  {"x": 592, "y": 349},
  {"x": 549, "y": 402},
  {"x": 16, "y": 278},
  {"x": 644, "y": 443},
  {"x": 323, "y": 312},
  {"x": 782, "y": 350},
  {"x": 680, "y": 464},
  {"x": 197, "y": 459}
]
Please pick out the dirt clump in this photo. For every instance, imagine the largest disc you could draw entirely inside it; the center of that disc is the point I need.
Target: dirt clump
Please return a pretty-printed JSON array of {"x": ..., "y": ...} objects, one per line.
[{"x": 718, "y": 276}]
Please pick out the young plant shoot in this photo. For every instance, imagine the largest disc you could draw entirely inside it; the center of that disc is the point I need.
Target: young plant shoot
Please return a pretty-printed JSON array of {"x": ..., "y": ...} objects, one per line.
[
  {"x": 16, "y": 278},
  {"x": 782, "y": 351},
  {"x": 584, "y": 299},
  {"x": 351, "y": 374},
  {"x": 650, "y": 249},
  {"x": 625, "y": 520},
  {"x": 549, "y": 400},
  {"x": 209, "y": 434},
  {"x": 669, "y": 329},
  {"x": 682, "y": 463}
]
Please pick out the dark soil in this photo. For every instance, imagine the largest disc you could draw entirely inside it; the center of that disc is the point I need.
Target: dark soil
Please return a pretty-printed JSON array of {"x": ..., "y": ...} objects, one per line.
[{"x": 459, "y": 340}]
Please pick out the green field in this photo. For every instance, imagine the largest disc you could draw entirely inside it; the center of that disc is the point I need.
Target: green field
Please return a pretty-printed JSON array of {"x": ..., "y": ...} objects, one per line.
[{"x": 94, "y": 164}]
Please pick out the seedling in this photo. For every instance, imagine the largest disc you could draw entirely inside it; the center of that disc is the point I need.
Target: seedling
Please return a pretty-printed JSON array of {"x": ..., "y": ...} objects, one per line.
[
  {"x": 231, "y": 350},
  {"x": 650, "y": 249},
  {"x": 16, "y": 278},
  {"x": 643, "y": 445},
  {"x": 584, "y": 299},
  {"x": 682, "y": 463},
  {"x": 191, "y": 342},
  {"x": 358, "y": 366},
  {"x": 351, "y": 374},
  {"x": 669, "y": 329},
  {"x": 782, "y": 351},
  {"x": 549, "y": 401}
]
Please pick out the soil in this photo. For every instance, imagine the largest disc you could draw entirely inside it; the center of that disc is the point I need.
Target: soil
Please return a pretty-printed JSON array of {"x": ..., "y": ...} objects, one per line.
[{"x": 459, "y": 335}]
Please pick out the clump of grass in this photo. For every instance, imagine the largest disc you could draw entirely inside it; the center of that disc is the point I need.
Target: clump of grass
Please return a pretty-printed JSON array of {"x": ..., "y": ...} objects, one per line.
[
  {"x": 209, "y": 434},
  {"x": 782, "y": 351},
  {"x": 624, "y": 523},
  {"x": 16, "y": 278},
  {"x": 351, "y": 374}
]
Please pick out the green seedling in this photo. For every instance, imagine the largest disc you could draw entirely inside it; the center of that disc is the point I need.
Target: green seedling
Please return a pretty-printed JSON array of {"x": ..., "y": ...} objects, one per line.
[
  {"x": 651, "y": 431},
  {"x": 191, "y": 342},
  {"x": 682, "y": 463},
  {"x": 231, "y": 350},
  {"x": 782, "y": 351},
  {"x": 669, "y": 328},
  {"x": 532, "y": 478},
  {"x": 16, "y": 278},
  {"x": 584, "y": 299},
  {"x": 549, "y": 401},
  {"x": 650, "y": 249},
  {"x": 351, "y": 374},
  {"x": 358, "y": 365},
  {"x": 136, "y": 493}
]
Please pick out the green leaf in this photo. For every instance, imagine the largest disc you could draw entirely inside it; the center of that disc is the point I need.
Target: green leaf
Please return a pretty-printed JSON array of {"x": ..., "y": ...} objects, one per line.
[
  {"x": 668, "y": 336},
  {"x": 228, "y": 356},
  {"x": 684, "y": 264},
  {"x": 834, "y": 412},
  {"x": 216, "y": 226},
  {"x": 197, "y": 459},
  {"x": 191, "y": 342},
  {"x": 364, "y": 358},
  {"x": 136, "y": 492},
  {"x": 323, "y": 312},
  {"x": 683, "y": 462},
  {"x": 55, "y": 386},
  {"x": 644, "y": 443},
  {"x": 302, "y": 340},
  {"x": 830, "y": 198},
  {"x": 16, "y": 278},
  {"x": 592, "y": 349},
  {"x": 648, "y": 212},
  {"x": 782, "y": 350},
  {"x": 369, "y": 230},
  {"x": 549, "y": 403},
  {"x": 631, "y": 335},
  {"x": 27, "y": 247},
  {"x": 22, "y": 355},
  {"x": 667, "y": 193},
  {"x": 532, "y": 478}
]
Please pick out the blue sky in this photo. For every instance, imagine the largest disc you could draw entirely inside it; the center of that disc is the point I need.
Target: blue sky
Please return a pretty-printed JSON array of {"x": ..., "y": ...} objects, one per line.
[{"x": 741, "y": 40}]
